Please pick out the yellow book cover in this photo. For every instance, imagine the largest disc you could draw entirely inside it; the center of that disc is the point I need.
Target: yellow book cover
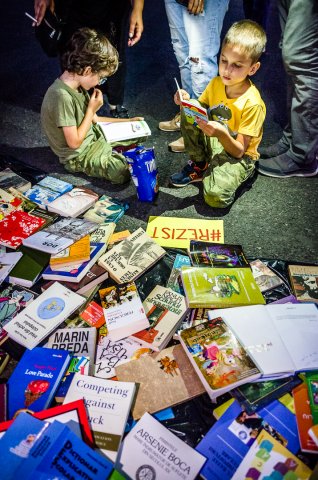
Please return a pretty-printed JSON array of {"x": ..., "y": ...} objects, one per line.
[
  {"x": 177, "y": 232},
  {"x": 78, "y": 252}
]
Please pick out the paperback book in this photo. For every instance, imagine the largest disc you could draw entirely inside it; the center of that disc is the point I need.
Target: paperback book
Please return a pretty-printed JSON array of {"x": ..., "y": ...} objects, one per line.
[
  {"x": 174, "y": 280},
  {"x": 217, "y": 356},
  {"x": 8, "y": 203},
  {"x": 43, "y": 315},
  {"x": 17, "y": 227},
  {"x": 304, "y": 282},
  {"x": 123, "y": 310},
  {"x": 77, "y": 253},
  {"x": 3, "y": 402},
  {"x": 217, "y": 255},
  {"x": 211, "y": 287},
  {"x": 117, "y": 237},
  {"x": 129, "y": 259},
  {"x": 106, "y": 210},
  {"x": 93, "y": 315},
  {"x": 161, "y": 454},
  {"x": 7, "y": 262},
  {"x": 47, "y": 190},
  {"x": 73, "y": 203},
  {"x": 265, "y": 278},
  {"x": 8, "y": 179},
  {"x": 170, "y": 370},
  {"x": 94, "y": 276},
  {"x": 116, "y": 132},
  {"x": 13, "y": 299},
  {"x": 78, "y": 364},
  {"x": 108, "y": 404},
  {"x": 304, "y": 418},
  {"x": 60, "y": 235},
  {"x": 35, "y": 379},
  {"x": 312, "y": 387},
  {"x": 165, "y": 310},
  {"x": 29, "y": 268}
]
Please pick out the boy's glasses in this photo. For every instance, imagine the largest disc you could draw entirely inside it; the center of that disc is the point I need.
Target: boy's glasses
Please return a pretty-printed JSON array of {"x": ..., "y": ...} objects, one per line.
[{"x": 101, "y": 79}]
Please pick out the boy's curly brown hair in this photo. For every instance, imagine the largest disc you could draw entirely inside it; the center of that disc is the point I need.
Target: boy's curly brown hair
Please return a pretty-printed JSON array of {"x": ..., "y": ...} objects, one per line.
[{"x": 89, "y": 48}]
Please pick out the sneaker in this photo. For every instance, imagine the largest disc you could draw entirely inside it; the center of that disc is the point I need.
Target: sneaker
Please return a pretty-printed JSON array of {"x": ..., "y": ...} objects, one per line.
[
  {"x": 177, "y": 146},
  {"x": 273, "y": 150},
  {"x": 190, "y": 173},
  {"x": 171, "y": 125},
  {"x": 284, "y": 166},
  {"x": 119, "y": 112}
]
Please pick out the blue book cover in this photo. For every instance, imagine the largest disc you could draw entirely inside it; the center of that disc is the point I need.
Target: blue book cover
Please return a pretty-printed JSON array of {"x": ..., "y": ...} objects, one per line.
[
  {"x": 32, "y": 448},
  {"x": 41, "y": 196},
  {"x": 228, "y": 441},
  {"x": 35, "y": 379},
  {"x": 75, "y": 272},
  {"x": 56, "y": 185}
]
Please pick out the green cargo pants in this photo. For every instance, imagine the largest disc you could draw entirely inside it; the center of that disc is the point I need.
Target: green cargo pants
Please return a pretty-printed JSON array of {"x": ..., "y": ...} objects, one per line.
[{"x": 225, "y": 173}]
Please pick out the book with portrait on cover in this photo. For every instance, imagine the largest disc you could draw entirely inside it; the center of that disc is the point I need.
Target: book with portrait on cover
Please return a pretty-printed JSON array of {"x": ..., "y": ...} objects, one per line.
[
  {"x": 265, "y": 278},
  {"x": 304, "y": 282},
  {"x": 129, "y": 259}
]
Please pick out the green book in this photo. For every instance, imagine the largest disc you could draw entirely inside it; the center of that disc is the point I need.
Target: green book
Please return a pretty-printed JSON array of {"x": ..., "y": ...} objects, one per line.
[
  {"x": 312, "y": 386},
  {"x": 29, "y": 268},
  {"x": 210, "y": 287}
]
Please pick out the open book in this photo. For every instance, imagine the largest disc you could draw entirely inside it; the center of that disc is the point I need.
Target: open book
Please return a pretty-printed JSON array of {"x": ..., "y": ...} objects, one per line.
[
  {"x": 118, "y": 131},
  {"x": 192, "y": 109}
]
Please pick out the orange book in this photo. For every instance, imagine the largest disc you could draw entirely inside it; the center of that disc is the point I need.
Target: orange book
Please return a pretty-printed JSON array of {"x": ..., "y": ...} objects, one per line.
[
  {"x": 93, "y": 315},
  {"x": 304, "y": 418},
  {"x": 77, "y": 253}
]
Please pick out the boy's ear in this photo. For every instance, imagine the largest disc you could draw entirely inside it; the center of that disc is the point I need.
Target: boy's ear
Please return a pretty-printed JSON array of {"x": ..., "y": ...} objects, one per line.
[
  {"x": 87, "y": 71},
  {"x": 254, "y": 68}
]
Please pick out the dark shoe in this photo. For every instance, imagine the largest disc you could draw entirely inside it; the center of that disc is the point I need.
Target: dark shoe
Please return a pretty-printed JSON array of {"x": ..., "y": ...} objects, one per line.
[
  {"x": 283, "y": 166},
  {"x": 190, "y": 173},
  {"x": 119, "y": 112},
  {"x": 273, "y": 150}
]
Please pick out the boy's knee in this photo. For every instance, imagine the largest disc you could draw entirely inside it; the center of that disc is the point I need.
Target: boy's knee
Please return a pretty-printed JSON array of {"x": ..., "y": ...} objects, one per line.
[
  {"x": 120, "y": 175},
  {"x": 216, "y": 200}
]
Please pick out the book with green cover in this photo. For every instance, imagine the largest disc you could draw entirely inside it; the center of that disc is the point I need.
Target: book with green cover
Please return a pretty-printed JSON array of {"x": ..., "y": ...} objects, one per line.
[
  {"x": 312, "y": 386},
  {"x": 29, "y": 268},
  {"x": 218, "y": 358},
  {"x": 210, "y": 287}
]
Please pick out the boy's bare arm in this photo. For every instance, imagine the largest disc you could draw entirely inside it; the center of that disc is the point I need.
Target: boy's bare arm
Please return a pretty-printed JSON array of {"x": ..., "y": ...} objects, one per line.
[
  {"x": 115, "y": 120},
  {"x": 235, "y": 147}
]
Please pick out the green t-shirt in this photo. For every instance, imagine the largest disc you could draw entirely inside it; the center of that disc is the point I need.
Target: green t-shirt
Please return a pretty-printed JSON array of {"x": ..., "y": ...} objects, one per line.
[{"x": 64, "y": 107}]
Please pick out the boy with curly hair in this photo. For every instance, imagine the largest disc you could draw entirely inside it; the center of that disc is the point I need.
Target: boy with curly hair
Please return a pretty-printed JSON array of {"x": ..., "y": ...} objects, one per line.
[{"x": 68, "y": 112}]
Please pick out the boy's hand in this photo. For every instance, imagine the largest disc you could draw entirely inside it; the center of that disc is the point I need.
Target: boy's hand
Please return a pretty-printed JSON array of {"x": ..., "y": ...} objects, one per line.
[
  {"x": 96, "y": 100},
  {"x": 195, "y": 6},
  {"x": 210, "y": 129},
  {"x": 177, "y": 99},
  {"x": 135, "y": 119}
]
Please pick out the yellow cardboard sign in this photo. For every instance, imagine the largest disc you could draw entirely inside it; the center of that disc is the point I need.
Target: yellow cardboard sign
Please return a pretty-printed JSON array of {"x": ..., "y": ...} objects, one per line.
[{"x": 177, "y": 232}]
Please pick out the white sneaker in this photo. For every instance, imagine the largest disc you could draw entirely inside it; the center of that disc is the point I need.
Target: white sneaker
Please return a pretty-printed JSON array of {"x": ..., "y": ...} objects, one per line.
[
  {"x": 177, "y": 146},
  {"x": 171, "y": 125}
]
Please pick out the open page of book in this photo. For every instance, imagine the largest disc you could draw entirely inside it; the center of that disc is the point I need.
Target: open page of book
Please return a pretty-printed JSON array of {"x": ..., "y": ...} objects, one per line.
[
  {"x": 297, "y": 325},
  {"x": 255, "y": 329}
]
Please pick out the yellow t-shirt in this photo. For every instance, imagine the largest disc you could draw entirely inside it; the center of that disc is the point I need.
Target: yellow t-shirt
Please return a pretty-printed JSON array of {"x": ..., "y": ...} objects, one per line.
[{"x": 245, "y": 114}]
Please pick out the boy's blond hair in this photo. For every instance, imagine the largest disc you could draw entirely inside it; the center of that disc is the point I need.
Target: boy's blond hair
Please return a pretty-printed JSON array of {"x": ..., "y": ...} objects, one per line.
[{"x": 248, "y": 36}]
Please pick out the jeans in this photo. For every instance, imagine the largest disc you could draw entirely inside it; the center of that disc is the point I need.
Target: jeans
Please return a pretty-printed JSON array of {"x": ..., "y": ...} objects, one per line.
[
  {"x": 299, "y": 21},
  {"x": 196, "y": 42}
]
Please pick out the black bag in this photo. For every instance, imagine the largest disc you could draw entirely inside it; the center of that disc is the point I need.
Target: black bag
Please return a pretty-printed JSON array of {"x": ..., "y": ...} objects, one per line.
[{"x": 49, "y": 32}]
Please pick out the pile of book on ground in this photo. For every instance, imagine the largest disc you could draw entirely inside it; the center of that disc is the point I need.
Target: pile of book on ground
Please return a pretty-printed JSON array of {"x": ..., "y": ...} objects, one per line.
[{"x": 99, "y": 351}]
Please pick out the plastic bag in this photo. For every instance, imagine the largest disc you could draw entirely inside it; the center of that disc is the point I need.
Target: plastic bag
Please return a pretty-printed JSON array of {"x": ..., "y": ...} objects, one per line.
[
  {"x": 49, "y": 32},
  {"x": 144, "y": 173}
]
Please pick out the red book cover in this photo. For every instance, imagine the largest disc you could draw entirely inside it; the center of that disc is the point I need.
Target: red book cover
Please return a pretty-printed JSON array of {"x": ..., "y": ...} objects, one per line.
[
  {"x": 93, "y": 315},
  {"x": 3, "y": 402},
  {"x": 17, "y": 226},
  {"x": 304, "y": 418}
]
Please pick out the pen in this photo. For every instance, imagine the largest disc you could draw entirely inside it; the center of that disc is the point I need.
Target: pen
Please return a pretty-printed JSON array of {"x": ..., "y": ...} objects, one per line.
[{"x": 30, "y": 16}]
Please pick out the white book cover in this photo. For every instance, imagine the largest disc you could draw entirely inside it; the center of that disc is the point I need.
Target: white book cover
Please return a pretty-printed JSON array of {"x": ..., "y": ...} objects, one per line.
[
  {"x": 73, "y": 203},
  {"x": 297, "y": 325},
  {"x": 43, "y": 315},
  {"x": 60, "y": 235},
  {"x": 255, "y": 330},
  {"x": 7, "y": 262},
  {"x": 117, "y": 131},
  {"x": 151, "y": 451},
  {"x": 108, "y": 404}
]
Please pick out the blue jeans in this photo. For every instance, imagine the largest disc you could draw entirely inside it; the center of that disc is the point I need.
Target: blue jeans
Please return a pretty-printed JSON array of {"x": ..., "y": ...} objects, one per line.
[{"x": 196, "y": 42}]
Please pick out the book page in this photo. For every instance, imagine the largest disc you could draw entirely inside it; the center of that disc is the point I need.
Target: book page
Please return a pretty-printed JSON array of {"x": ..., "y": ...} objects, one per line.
[{"x": 297, "y": 325}]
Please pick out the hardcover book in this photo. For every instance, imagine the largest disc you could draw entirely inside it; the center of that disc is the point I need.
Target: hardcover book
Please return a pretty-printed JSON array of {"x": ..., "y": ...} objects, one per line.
[
  {"x": 108, "y": 404},
  {"x": 177, "y": 232},
  {"x": 77, "y": 253},
  {"x": 75, "y": 273},
  {"x": 123, "y": 310},
  {"x": 35, "y": 379},
  {"x": 106, "y": 210},
  {"x": 60, "y": 235},
  {"x": 78, "y": 364},
  {"x": 211, "y": 287},
  {"x": 32, "y": 448},
  {"x": 18, "y": 226},
  {"x": 29, "y": 268},
  {"x": 217, "y": 255},
  {"x": 129, "y": 259},
  {"x": 116, "y": 132},
  {"x": 47, "y": 190},
  {"x": 8, "y": 179},
  {"x": 281, "y": 339},
  {"x": 165, "y": 310},
  {"x": 304, "y": 418},
  {"x": 266, "y": 457},
  {"x": 265, "y": 278},
  {"x": 161, "y": 454},
  {"x": 304, "y": 282},
  {"x": 74, "y": 202},
  {"x": 8, "y": 203},
  {"x": 218, "y": 358},
  {"x": 110, "y": 354},
  {"x": 43, "y": 315},
  {"x": 170, "y": 370},
  {"x": 78, "y": 341},
  {"x": 174, "y": 280}
]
